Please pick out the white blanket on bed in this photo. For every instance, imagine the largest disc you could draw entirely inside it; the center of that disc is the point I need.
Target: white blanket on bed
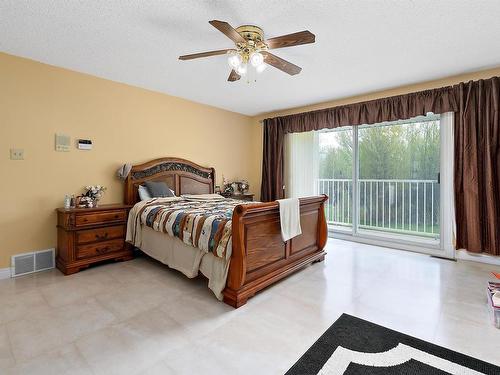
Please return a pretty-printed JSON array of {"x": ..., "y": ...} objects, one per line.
[{"x": 289, "y": 218}]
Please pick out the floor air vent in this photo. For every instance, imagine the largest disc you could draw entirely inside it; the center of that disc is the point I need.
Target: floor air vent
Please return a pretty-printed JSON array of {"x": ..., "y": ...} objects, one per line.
[{"x": 23, "y": 264}]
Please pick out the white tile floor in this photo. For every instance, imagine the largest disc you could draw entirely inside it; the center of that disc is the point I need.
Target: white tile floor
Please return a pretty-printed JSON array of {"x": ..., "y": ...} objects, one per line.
[{"x": 140, "y": 317}]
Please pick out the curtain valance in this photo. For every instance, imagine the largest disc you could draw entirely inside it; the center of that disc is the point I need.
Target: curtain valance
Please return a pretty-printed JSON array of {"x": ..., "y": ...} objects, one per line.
[{"x": 371, "y": 112}]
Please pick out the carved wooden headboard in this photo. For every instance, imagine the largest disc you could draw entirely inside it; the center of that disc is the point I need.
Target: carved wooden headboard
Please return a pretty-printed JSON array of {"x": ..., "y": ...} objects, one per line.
[{"x": 182, "y": 176}]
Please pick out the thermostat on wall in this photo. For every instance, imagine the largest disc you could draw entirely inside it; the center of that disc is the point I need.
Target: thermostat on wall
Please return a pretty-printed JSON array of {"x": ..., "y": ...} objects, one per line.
[{"x": 84, "y": 144}]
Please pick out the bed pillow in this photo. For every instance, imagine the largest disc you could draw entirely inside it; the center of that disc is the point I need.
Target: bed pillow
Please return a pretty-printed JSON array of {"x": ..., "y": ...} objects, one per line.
[
  {"x": 144, "y": 193},
  {"x": 158, "y": 189}
]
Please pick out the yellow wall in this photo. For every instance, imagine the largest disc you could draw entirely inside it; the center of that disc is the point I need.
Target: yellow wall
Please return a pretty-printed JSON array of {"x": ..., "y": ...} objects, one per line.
[{"x": 126, "y": 124}]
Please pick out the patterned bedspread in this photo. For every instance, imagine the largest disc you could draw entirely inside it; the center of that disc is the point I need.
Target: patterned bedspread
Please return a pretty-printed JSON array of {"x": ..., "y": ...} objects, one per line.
[{"x": 205, "y": 224}]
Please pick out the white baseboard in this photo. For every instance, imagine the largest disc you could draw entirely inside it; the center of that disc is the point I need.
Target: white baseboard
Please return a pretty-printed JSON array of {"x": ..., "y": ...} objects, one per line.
[
  {"x": 481, "y": 258},
  {"x": 4, "y": 273}
]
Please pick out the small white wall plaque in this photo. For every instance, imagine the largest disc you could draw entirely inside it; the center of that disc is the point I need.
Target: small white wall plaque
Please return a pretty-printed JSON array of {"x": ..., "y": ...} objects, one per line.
[{"x": 62, "y": 142}]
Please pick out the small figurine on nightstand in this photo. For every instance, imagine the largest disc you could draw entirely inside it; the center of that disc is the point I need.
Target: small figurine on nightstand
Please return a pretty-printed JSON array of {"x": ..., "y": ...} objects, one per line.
[{"x": 67, "y": 202}]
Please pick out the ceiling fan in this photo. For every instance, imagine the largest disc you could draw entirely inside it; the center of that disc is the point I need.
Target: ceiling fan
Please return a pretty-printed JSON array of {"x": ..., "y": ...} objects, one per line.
[{"x": 252, "y": 48}]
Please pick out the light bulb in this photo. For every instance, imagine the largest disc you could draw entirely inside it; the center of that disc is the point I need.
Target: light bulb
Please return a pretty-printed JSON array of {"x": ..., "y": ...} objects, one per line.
[
  {"x": 261, "y": 68},
  {"x": 241, "y": 69},
  {"x": 234, "y": 60},
  {"x": 256, "y": 59}
]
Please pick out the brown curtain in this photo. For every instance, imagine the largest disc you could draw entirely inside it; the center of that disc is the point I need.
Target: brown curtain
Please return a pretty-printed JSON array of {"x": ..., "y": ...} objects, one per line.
[
  {"x": 272, "y": 164},
  {"x": 388, "y": 109},
  {"x": 477, "y": 163}
]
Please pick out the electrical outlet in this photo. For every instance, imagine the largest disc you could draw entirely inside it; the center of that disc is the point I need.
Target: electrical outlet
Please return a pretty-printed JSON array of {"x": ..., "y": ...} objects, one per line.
[{"x": 16, "y": 154}]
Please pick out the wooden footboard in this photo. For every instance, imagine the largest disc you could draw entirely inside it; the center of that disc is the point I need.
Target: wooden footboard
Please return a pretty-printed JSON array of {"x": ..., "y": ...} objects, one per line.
[{"x": 260, "y": 257}]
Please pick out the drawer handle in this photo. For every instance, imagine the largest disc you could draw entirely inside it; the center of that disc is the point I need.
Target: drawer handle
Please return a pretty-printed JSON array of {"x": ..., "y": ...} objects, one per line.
[
  {"x": 102, "y": 250},
  {"x": 85, "y": 219},
  {"x": 103, "y": 237}
]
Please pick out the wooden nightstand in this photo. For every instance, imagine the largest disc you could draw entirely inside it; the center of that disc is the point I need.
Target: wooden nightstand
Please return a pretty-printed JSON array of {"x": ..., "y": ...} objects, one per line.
[
  {"x": 242, "y": 197},
  {"x": 89, "y": 235}
]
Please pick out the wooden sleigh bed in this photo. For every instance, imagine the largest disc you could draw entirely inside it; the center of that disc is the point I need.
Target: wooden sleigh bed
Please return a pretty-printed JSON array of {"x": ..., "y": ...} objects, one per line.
[{"x": 259, "y": 255}]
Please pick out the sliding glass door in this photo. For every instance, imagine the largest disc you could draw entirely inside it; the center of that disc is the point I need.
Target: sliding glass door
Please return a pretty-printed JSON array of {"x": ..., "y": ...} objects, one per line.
[
  {"x": 398, "y": 183},
  {"x": 383, "y": 180}
]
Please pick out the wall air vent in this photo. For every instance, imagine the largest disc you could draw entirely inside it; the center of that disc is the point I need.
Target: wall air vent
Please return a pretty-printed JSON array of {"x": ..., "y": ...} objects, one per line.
[{"x": 36, "y": 261}]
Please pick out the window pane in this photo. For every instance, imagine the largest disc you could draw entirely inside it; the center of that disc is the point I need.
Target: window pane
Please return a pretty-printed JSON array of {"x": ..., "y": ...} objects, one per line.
[
  {"x": 398, "y": 177},
  {"x": 335, "y": 175}
]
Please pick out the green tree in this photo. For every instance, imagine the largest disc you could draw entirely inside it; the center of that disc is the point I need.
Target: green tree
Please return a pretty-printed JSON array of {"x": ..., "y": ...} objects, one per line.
[
  {"x": 406, "y": 151},
  {"x": 336, "y": 161}
]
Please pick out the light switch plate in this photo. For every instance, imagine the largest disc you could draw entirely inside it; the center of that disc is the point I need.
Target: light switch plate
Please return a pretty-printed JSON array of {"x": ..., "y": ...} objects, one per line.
[{"x": 16, "y": 154}]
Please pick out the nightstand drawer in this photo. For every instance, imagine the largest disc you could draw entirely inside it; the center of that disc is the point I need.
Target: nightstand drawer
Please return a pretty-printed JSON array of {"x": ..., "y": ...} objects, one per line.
[
  {"x": 101, "y": 234},
  {"x": 99, "y": 248},
  {"x": 99, "y": 217}
]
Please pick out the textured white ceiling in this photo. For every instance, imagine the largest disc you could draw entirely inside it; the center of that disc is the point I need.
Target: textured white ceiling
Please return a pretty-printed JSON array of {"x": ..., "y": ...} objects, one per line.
[{"x": 361, "y": 45}]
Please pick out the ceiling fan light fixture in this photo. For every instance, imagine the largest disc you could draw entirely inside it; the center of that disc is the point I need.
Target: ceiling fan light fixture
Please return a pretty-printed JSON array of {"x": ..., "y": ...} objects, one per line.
[
  {"x": 241, "y": 69},
  {"x": 251, "y": 49},
  {"x": 234, "y": 60},
  {"x": 256, "y": 59},
  {"x": 260, "y": 68}
]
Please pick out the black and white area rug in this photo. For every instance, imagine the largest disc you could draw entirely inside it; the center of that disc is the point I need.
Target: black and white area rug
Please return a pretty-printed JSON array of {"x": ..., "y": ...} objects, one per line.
[{"x": 355, "y": 346}]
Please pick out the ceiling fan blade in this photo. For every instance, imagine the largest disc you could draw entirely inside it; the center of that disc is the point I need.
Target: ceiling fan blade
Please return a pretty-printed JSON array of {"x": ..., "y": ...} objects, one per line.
[
  {"x": 233, "y": 76},
  {"x": 295, "y": 39},
  {"x": 205, "y": 54},
  {"x": 227, "y": 30},
  {"x": 281, "y": 64}
]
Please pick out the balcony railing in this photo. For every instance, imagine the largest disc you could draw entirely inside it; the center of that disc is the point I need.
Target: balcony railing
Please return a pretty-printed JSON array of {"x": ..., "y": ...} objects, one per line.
[{"x": 401, "y": 206}]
